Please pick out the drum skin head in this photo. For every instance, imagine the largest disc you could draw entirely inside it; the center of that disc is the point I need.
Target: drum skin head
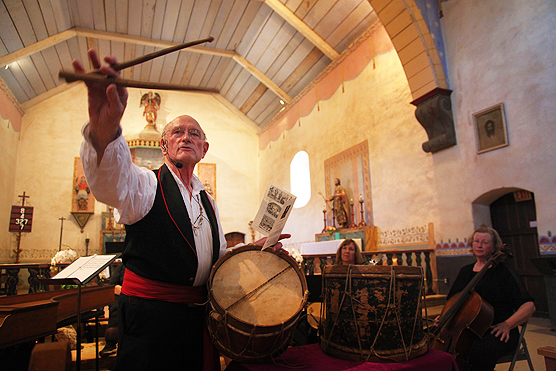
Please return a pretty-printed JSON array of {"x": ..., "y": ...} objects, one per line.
[{"x": 245, "y": 286}]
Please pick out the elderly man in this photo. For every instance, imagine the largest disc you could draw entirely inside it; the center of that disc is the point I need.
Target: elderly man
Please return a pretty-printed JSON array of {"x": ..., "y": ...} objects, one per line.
[{"x": 173, "y": 233}]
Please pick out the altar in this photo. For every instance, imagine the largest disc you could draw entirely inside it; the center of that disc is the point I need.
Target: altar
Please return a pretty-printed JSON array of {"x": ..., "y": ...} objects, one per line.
[
  {"x": 312, "y": 358},
  {"x": 367, "y": 234},
  {"x": 324, "y": 247}
]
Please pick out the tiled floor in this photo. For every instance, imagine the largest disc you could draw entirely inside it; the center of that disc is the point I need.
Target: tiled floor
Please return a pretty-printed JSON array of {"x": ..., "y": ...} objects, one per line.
[{"x": 538, "y": 335}]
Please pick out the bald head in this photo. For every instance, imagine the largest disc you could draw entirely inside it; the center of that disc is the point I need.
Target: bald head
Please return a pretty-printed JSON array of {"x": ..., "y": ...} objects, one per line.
[{"x": 183, "y": 119}]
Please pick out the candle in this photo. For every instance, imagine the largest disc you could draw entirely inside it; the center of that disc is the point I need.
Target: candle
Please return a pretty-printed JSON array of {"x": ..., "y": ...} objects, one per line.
[
  {"x": 360, "y": 198},
  {"x": 87, "y": 235}
]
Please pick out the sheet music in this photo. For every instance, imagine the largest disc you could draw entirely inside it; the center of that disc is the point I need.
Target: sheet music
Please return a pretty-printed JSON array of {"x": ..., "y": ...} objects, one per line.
[
  {"x": 273, "y": 213},
  {"x": 85, "y": 267}
]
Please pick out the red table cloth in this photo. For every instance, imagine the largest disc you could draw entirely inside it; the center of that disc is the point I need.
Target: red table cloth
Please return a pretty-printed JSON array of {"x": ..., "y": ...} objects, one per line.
[{"x": 311, "y": 357}]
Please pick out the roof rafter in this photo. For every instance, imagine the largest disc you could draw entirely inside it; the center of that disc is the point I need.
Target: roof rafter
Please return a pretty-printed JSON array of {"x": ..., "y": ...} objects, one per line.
[
  {"x": 290, "y": 17},
  {"x": 113, "y": 36}
]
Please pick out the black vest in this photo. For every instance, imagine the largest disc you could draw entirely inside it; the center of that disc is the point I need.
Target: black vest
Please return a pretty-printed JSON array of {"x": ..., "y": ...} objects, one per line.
[{"x": 161, "y": 246}]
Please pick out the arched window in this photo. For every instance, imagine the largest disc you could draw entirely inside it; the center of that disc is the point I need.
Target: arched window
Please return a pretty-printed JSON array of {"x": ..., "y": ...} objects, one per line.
[{"x": 300, "y": 178}]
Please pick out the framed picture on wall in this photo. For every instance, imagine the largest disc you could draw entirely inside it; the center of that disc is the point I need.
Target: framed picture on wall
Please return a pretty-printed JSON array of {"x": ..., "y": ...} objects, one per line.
[{"x": 491, "y": 128}]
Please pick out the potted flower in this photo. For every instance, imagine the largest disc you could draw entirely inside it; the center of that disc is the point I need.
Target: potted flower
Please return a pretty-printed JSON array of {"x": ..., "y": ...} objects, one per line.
[{"x": 330, "y": 230}]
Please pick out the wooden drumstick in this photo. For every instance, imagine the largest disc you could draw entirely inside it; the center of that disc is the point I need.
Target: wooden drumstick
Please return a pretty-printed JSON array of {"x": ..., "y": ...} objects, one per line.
[
  {"x": 100, "y": 79},
  {"x": 159, "y": 53},
  {"x": 95, "y": 77}
]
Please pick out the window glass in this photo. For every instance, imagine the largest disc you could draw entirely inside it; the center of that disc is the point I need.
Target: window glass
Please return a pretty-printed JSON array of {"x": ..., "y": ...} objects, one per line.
[{"x": 300, "y": 178}]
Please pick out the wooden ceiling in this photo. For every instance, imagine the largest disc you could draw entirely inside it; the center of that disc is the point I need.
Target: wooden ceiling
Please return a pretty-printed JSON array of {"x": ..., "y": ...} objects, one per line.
[{"x": 263, "y": 52}]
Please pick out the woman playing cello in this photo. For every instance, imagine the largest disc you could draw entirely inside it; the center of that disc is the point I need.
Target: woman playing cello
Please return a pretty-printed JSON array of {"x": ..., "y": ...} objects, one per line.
[{"x": 502, "y": 288}]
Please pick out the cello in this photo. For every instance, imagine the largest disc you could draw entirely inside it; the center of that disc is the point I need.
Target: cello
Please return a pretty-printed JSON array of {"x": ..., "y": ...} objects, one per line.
[{"x": 464, "y": 319}]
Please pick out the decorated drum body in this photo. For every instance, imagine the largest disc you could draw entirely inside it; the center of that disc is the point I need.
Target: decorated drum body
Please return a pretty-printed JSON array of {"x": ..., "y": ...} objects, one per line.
[{"x": 372, "y": 313}]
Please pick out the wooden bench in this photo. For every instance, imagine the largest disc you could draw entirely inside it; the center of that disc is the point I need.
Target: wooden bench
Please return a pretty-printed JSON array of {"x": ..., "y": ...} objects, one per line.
[{"x": 549, "y": 354}]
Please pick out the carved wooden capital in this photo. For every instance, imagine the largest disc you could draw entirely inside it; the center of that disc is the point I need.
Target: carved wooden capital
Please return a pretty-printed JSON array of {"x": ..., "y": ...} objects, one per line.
[{"x": 434, "y": 113}]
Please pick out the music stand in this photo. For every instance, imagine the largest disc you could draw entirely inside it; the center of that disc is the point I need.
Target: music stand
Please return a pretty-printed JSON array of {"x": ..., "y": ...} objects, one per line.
[{"x": 80, "y": 272}]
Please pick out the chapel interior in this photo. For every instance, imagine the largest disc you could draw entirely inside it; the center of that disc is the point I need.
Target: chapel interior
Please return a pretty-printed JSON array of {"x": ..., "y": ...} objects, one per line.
[{"x": 399, "y": 115}]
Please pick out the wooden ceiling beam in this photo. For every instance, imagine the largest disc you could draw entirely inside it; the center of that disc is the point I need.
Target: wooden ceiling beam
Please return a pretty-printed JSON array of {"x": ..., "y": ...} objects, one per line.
[
  {"x": 37, "y": 47},
  {"x": 290, "y": 17},
  {"x": 262, "y": 78},
  {"x": 253, "y": 98},
  {"x": 113, "y": 36}
]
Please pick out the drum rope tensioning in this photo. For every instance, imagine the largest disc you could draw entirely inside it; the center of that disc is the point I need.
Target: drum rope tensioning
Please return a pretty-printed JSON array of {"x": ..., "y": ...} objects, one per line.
[
  {"x": 372, "y": 313},
  {"x": 256, "y": 298}
]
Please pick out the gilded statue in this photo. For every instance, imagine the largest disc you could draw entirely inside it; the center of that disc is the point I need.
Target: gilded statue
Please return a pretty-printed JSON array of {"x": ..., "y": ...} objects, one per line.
[
  {"x": 340, "y": 205},
  {"x": 152, "y": 104}
]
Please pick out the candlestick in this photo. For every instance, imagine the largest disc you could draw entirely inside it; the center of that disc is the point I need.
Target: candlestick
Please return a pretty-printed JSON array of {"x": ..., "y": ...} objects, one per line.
[
  {"x": 361, "y": 200},
  {"x": 353, "y": 225},
  {"x": 324, "y": 219}
]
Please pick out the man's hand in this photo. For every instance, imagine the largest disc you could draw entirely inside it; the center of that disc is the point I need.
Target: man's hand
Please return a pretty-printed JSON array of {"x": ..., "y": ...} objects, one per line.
[
  {"x": 276, "y": 247},
  {"x": 106, "y": 104}
]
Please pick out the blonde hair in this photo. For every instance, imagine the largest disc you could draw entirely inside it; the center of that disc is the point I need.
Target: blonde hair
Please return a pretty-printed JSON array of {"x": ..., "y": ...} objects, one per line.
[
  {"x": 496, "y": 240},
  {"x": 359, "y": 259}
]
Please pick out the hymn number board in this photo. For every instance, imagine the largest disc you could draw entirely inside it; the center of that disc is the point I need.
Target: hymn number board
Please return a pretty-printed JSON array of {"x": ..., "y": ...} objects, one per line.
[{"x": 21, "y": 218}]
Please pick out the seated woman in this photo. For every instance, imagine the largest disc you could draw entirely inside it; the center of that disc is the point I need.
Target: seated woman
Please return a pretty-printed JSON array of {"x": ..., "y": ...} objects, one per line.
[
  {"x": 349, "y": 253},
  {"x": 502, "y": 288}
]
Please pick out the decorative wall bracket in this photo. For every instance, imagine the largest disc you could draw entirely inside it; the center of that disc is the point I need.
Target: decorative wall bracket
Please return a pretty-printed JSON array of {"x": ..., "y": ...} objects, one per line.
[
  {"x": 81, "y": 218},
  {"x": 434, "y": 113}
]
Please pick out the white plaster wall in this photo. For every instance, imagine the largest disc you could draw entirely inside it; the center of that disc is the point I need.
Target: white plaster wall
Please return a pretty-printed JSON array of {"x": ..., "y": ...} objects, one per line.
[
  {"x": 51, "y": 139},
  {"x": 8, "y": 194},
  {"x": 497, "y": 51},
  {"x": 374, "y": 106},
  {"x": 501, "y": 52}
]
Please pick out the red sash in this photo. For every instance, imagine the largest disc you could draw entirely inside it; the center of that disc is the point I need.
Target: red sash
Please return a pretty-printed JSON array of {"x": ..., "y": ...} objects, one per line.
[{"x": 135, "y": 285}]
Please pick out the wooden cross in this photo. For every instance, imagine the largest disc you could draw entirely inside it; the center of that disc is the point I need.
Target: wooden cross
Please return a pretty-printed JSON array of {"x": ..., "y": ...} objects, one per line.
[
  {"x": 23, "y": 198},
  {"x": 61, "y": 230}
]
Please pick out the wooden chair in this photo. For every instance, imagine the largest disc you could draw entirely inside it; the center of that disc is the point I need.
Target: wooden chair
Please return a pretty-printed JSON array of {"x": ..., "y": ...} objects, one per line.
[{"x": 521, "y": 353}]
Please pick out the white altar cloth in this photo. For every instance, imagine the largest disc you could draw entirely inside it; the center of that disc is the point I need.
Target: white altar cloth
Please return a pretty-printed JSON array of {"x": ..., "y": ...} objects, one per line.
[{"x": 324, "y": 247}]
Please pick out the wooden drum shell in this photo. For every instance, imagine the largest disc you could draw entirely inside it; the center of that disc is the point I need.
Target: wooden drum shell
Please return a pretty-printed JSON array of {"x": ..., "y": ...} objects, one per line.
[
  {"x": 372, "y": 313},
  {"x": 256, "y": 299}
]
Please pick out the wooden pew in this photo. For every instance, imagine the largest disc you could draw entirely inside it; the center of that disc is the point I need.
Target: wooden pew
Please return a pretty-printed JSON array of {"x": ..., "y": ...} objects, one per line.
[
  {"x": 549, "y": 354},
  {"x": 34, "y": 316},
  {"x": 22, "y": 322}
]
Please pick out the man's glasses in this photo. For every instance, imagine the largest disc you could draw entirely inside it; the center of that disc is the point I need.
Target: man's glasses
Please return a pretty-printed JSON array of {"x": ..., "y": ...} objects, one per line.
[{"x": 179, "y": 133}]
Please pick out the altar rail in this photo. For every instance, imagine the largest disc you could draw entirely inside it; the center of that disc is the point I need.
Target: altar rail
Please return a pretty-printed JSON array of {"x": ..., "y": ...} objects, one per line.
[
  {"x": 410, "y": 246},
  {"x": 312, "y": 265}
]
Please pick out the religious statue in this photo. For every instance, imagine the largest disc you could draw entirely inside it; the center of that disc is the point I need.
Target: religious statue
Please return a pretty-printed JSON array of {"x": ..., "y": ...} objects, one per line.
[
  {"x": 340, "y": 205},
  {"x": 208, "y": 188},
  {"x": 152, "y": 104},
  {"x": 82, "y": 190}
]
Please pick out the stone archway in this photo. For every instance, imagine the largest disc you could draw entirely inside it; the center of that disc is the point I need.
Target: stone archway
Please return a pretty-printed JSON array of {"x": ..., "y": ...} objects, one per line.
[
  {"x": 512, "y": 212},
  {"x": 425, "y": 74}
]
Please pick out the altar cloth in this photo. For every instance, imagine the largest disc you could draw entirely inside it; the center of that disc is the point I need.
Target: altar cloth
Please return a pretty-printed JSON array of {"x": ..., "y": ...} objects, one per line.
[
  {"x": 324, "y": 247},
  {"x": 311, "y": 357}
]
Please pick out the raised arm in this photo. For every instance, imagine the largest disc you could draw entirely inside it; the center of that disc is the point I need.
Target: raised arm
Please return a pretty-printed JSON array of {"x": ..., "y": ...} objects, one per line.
[{"x": 106, "y": 104}]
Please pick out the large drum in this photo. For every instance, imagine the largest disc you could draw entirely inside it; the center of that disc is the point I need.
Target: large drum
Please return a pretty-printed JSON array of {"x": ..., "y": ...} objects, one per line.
[
  {"x": 372, "y": 313},
  {"x": 256, "y": 300}
]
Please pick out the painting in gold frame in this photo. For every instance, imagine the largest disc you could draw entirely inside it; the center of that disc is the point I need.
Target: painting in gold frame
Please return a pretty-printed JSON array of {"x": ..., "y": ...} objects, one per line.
[
  {"x": 83, "y": 200},
  {"x": 207, "y": 175}
]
